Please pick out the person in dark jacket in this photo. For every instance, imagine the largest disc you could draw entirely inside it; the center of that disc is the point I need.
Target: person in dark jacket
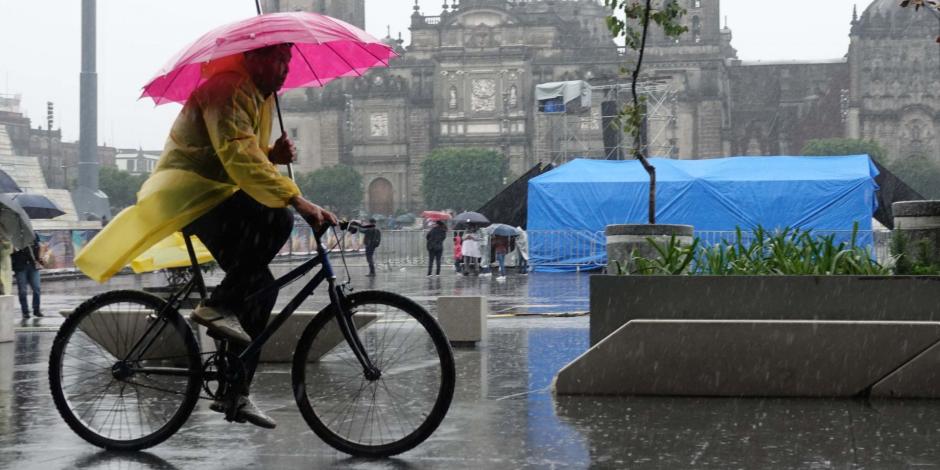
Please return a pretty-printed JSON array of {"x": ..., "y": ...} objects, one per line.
[
  {"x": 371, "y": 239},
  {"x": 435, "y": 238},
  {"x": 26, "y": 270}
]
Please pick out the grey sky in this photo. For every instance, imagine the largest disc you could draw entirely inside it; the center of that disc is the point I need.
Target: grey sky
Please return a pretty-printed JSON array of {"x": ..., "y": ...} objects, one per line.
[{"x": 40, "y": 49}]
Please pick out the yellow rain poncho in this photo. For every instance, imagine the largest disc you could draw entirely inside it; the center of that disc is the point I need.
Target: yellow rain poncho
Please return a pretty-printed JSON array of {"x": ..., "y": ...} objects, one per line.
[
  {"x": 170, "y": 253},
  {"x": 217, "y": 146}
]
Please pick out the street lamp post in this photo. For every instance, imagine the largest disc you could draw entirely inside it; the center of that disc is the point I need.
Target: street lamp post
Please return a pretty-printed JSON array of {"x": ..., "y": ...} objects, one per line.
[{"x": 49, "y": 115}]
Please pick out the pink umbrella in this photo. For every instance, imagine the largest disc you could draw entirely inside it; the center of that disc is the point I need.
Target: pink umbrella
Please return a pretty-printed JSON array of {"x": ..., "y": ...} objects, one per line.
[{"x": 324, "y": 49}]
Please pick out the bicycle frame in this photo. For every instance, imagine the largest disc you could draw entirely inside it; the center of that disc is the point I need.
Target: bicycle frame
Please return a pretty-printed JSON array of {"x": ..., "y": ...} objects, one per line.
[{"x": 346, "y": 325}]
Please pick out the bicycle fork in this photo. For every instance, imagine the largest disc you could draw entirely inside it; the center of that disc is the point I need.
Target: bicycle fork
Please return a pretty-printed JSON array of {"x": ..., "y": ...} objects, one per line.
[{"x": 348, "y": 328}]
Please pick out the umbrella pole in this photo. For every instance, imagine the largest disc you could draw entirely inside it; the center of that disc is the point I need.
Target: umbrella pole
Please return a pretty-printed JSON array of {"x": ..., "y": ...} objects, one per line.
[{"x": 277, "y": 105}]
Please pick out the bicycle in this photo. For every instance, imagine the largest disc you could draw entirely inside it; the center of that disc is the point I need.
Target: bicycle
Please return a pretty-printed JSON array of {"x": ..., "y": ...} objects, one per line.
[{"x": 126, "y": 371}]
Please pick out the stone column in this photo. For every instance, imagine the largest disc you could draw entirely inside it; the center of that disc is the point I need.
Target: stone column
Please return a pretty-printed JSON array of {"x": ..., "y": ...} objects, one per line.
[
  {"x": 919, "y": 223},
  {"x": 622, "y": 240}
]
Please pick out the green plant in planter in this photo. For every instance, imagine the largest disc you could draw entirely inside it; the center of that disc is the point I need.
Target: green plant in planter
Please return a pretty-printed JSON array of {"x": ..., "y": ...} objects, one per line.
[
  {"x": 916, "y": 261},
  {"x": 784, "y": 252},
  {"x": 674, "y": 258}
]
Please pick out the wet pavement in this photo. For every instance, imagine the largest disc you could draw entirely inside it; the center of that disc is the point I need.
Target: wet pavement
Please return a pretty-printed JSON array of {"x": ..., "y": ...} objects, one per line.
[{"x": 503, "y": 416}]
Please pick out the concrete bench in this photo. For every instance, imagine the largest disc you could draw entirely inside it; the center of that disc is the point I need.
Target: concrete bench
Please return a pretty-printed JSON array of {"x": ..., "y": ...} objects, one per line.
[
  {"x": 463, "y": 319},
  {"x": 769, "y": 358},
  {"x": 111, "y": 329},
  {"x": 8, "y": 315}
]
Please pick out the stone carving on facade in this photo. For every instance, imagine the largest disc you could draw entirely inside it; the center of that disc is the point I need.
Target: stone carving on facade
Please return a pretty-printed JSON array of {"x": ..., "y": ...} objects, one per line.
[
  {"x": 513, "y": 99},
  {"x": 483, "y": 95},
  {"x": 378, "y": 124},
  {"x": 481, "y": 36},
  {"x": 452, "y": 98}
]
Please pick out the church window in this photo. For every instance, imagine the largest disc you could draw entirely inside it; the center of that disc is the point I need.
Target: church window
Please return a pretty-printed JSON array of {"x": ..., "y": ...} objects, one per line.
[
  {"x": 293, "y": 132},
  {"x": 696, "y": 29},
  {"x": 696, "y": 3}
]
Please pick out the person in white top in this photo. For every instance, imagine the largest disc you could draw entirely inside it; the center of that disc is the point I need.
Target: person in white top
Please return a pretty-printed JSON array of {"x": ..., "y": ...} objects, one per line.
[
  {"x": 522, "y": 245},
  {"x": 471, "y": 252}
]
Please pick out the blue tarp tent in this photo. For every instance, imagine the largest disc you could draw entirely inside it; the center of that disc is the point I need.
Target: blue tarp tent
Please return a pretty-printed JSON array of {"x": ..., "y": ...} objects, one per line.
[{"x": 576, "y": 201}]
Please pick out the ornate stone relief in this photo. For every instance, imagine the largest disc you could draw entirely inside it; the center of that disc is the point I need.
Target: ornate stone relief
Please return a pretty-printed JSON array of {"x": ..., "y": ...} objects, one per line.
[
  {"x": 483, "y": 95},
  {"x": 378, "y": 124}
]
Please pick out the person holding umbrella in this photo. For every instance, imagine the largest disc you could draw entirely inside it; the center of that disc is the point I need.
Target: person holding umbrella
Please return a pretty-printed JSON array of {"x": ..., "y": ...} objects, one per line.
[
  {"x": 217, "y": 177},
  {"x": 435, "y": 239},
  {"x": 26, "y": 270},
  {"x": 217, "y": 154}
]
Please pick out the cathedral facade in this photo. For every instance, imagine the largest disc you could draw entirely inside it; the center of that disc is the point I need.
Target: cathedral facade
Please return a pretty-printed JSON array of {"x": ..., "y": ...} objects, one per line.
[{"x": 468, "y": 75}]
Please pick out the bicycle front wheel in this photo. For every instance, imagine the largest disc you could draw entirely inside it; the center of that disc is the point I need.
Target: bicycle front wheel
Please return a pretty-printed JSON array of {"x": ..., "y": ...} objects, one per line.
[
  {"x": 125, "y": 371},
  {"x": 389, "y": 415}
]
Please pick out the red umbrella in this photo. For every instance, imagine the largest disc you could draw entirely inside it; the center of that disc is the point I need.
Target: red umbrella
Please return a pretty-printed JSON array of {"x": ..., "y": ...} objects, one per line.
[
  {"x": 435, "y": 215},
  {"x": 324, "y": 49}
]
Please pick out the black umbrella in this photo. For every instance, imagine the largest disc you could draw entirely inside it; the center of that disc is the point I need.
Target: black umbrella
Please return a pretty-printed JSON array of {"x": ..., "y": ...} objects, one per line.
[
  {"x": 14, "y": 224},
  {"x": 37, "y": 206},
  {"x": 7, "y": 185},
  {"x": 465, "y": 220}
]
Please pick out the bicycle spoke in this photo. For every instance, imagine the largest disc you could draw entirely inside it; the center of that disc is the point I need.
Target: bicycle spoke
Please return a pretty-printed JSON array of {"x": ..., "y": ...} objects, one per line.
[
  {"x": 393, "y": 412},
  {"x": 111, "y": 401}
]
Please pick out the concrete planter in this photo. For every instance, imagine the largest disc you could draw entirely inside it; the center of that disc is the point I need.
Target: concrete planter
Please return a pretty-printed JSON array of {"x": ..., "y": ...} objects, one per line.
[
  {"x": 615, "y": 300},
  {"x": 622, "y": 240}
]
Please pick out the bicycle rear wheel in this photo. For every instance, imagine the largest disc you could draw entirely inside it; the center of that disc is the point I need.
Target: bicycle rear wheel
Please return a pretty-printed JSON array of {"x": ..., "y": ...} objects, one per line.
[
  {"x": 123, "y": 375},
  {"x": 381, "y": 417}
]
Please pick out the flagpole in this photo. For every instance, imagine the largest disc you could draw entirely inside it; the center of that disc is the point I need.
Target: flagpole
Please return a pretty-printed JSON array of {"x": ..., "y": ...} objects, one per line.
[{"x": 277, "y": 105}]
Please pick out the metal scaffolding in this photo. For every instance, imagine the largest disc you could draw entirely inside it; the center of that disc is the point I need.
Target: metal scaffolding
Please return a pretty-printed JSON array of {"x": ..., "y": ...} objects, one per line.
[{"x": 566, "y": 134}]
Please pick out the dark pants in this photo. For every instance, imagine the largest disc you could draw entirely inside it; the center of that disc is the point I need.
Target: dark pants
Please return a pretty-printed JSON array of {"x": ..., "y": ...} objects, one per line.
[
  {"x": 244, "y": 236},
  {"x": 370, "y": 253},
  {"x": 432, "y": 256},
  {"x": 28, "y": 277}
]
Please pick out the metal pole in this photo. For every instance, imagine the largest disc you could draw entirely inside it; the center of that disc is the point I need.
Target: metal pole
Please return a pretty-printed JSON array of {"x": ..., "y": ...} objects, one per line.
[
  {"x": 88, "y": 138},
  {"x": 277, "y": 105}
]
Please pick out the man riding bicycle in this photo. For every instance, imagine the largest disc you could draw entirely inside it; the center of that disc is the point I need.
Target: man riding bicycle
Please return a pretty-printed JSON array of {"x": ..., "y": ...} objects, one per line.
[{"x": 217, "y": 179}]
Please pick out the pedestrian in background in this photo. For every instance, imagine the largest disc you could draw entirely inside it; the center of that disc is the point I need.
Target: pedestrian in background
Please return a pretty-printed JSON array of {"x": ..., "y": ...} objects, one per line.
[
  {"x": 26, "y": 270},
  {"x": 522, "y": 245},
  {"x": 458, "y": 252},
  {"x": 471, "y": 253},
  {"x": 435, "y": 239},
  {"x": 372, "y": 238},
  {"x": 501, "y": 249}
]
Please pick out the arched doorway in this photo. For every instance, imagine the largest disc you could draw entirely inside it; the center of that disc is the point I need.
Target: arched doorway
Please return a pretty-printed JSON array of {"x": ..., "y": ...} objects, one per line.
[{"x": 381, "y": 197}]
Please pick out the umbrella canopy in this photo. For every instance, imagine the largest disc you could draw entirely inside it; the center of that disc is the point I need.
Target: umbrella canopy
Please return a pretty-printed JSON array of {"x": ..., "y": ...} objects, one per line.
[
  {"x": 467, "y": 219},
  {"x": 324, "y": 49},
  {"x": 503, "y": 230},
  {"x": 435, "y": 215},
  {"x": 14, "y": 224},
  {"x": 7, "y": 185},
  {"x": 170, "y": 253},
  {"x": 37, "y": 206}
]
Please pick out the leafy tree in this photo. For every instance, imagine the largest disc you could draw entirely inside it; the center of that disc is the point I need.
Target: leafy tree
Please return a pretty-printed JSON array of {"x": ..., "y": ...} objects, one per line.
[
  {"x": 338, "y": 188},
  {"x": 462, "y": 178},
  {"x": 917, "y": 171},
  {"x": 633, "y": 28},
  {"x": 120, "y": 186}
]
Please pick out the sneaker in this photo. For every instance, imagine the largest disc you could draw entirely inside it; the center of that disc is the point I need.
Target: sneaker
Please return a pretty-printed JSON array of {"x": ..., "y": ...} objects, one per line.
[
  {"x": 221, "y": 321},
  {"x": 247, "y": 412},
  {"x": 38, "y": 314},
  {"x": 26, "y": 316}
]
